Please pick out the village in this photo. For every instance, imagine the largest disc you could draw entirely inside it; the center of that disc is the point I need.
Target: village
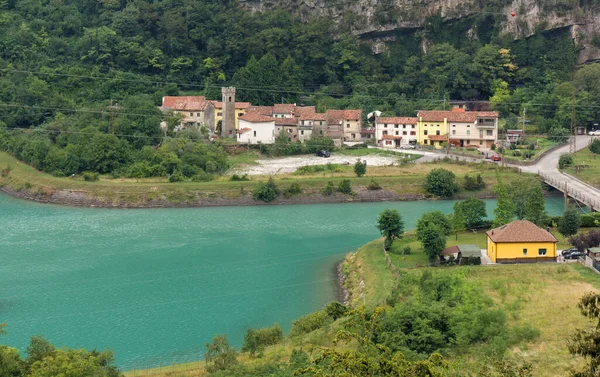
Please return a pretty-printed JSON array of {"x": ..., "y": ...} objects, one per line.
[{"x": 252, "y": 125}]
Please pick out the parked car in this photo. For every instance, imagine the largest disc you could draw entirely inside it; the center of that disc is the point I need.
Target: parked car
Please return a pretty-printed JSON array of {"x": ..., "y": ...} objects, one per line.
[
  {"x": 594, "y": 133},
  {"x": 574, "y": 255},
  {"x": 407, "y": 146},
  {"x": 496, "y": 158},
  {"x": 323, "y": 153},
  {"x": 569, "y": 251}
]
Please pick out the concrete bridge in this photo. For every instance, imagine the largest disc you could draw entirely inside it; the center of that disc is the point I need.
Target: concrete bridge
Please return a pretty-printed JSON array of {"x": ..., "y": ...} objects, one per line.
[{"x": 547, "y": 168}]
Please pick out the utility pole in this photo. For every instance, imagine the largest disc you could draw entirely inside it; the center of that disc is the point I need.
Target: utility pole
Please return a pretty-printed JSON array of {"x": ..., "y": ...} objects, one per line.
[
  {"x": 523, "y": 121},
  {"x": 572, "y": 144},
  {"x": 112, "y": 117},
  {"x": 503, "y": 144}
]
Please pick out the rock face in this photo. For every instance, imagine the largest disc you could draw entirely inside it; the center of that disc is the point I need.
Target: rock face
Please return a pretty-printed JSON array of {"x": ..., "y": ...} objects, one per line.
[{"x": 376, "y": 20}]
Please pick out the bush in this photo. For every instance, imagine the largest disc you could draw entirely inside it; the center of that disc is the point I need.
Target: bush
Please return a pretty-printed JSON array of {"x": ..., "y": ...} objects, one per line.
[
  {"x": 91, "y": 176},
  {"x": 565, "y": 160},
  {"x": 267, "y": 192},
  {"x": 516, "y": 153},
  {"x": 360, "y": 168},
  {"x": 308, "y": 169},
  {"x": 528, "y": 153},
  {"x": 329, "y": 189},
  {"x": 440, "y": 182},
  {"x": 236, "y": 177},
  {"x": 473, "y": 184},
  {"x": 493, "y": 147},
  {"x": 256, "y": 340},
  {"x": 373, "y": 185},
  {"x": 336, "y": 310},
  {"x": 176, "y": 176},
  {"x": 202, "y": 176},
  {"x": 590, "y": 220},
  {"x": 344, "y": 187},
  {"x": 308, "y": 323},
  {"x": 293, "y": 190},
  {"x": 6, "y": 171}
]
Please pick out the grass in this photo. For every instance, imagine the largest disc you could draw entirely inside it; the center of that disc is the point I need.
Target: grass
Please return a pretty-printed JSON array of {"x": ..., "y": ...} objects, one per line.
[
  {"x": 249, "y": 157},
  {"x": 590, "y": 167},
  {"x": 543, "y": 143},
  {"x": 406, "y": 180}
]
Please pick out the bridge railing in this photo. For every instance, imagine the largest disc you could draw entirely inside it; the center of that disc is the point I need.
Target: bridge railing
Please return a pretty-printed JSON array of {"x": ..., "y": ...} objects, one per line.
[{"x": 562, "y": 185}]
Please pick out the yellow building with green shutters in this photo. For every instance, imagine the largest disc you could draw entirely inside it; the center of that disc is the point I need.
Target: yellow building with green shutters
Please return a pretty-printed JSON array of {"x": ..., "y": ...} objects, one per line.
[{"x": 520, "y": 242}]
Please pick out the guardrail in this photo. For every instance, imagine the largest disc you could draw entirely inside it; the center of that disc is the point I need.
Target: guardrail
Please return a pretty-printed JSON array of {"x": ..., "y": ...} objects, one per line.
[{"x": 570, "y": 191}]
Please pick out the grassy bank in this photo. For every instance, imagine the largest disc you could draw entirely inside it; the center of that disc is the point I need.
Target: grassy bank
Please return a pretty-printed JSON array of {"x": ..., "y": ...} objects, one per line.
[
  {"x": 399, "y": 182},
  {"x": 589, "y": 167}
]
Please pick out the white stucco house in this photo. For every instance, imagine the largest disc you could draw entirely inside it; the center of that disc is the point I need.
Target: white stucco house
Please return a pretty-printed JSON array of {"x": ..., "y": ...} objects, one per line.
[
  {"x": 256, "y": 129},
  {"x": 395, "y": 132}
]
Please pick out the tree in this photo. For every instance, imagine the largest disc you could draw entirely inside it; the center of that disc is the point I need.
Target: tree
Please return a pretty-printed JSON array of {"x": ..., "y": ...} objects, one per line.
[
  {"x": 595, "y": 147},
  {"x": 360, "y": 168},
  {"x": 75, "y": 363},
  {"x": 11, "y": 364},
  {"x": 441, "y": 182},
  {"x": 535, "y": 206},
  {"x": 457, "y": 222},
  {"x": 473, "y": 210},
  {"x": 569, "y": 223},
  {"x": 586, "y": 342},
  {"x": 219, "y": 354},
  {"x": 505, "y": 208},
  {"x": 436, "y": 218},
  {"x": 391, "y": 226},
  {"x": 565, "y": 160},
  {"x": 433, "y": 240},
  {"x": 38, "y": 349}
]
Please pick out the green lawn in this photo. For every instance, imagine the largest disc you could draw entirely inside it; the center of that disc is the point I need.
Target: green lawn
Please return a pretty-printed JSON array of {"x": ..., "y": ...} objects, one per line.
[
  {"x": 590, "y": 167},
  {"x": 249, "y": 157},
  {"x": 543, "y": 144}
]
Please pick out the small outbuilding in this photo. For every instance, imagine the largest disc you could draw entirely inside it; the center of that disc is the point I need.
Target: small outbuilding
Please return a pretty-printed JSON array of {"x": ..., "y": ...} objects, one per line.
[
  {"x": 464, "y": 254},
  {"x": 520, "y": 242}
]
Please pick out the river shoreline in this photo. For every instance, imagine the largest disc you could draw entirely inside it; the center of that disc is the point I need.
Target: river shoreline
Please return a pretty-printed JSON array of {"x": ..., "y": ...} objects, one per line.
[{"x": 75, "y": 198}]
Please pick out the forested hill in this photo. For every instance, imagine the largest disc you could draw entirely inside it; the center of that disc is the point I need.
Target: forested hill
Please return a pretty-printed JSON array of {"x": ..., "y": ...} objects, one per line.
[{"x": 63, "y": 62}]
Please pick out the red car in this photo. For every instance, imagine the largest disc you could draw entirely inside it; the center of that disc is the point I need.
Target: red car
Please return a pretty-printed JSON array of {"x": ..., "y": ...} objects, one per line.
[{"x": 496, "y": 158}]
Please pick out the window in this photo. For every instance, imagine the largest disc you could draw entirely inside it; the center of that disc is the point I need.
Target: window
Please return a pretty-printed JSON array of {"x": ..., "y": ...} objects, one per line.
[
  {"x": 454, "y": 125},
  {"x": 404, "y": 133},
  {"x": 404, "y": 126},
  {"x": 388, "y": 142},
  {"x": 425, "y": 132},
  {"x": 424, "y": 142},
  {"x": 468, "y": 132},
  {"x": 385, "y": 126},
  {"x": 397, "y": 133},
  {"x": 229, "y": 99},
  {"x": 219, "y": 114},
  {"x": 385, "y": 132},
  {"x": 524, "y": 252},
  {"x": 468, "y": 142},
  {"x": 453, "y": 132},
  {"x": 468, "y": 125},
  {"x": 395, "y": 126},
  {"x": 321, "y": 132},
  {"x": 347, "y": 125},
  {"x": 301, "y": 132},
  {"x": 542, "y": 252},
  {"x": 320, "y": 123},
  {"x": 437, "y": 125},
  {"x": 489, "y": 133},
  {"x": 413, "y": 126},
  {"x": 480, "y": 142},
  {"x": 239, "y": 114},
  {"x": 191, "y": 114},
  {"x": 289, "y": 130},
  {"x": 481, "y": 134},
  {"x": 197, "y": 114},
  {"x": 353, "y": 136},
  {"x": 413, "y": 133},
  {"x": 254, "y": 133},
  {"x": 437, "y": 133}
]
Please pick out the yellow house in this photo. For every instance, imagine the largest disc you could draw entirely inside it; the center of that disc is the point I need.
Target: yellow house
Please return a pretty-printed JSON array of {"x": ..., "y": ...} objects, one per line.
[
  {"x": 520, "y": 242},
  {"x": 240, "y": 110}
]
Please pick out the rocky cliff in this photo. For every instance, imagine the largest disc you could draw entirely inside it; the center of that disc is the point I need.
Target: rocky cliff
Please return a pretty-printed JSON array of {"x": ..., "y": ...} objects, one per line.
[{"x": 377, "y": 20}]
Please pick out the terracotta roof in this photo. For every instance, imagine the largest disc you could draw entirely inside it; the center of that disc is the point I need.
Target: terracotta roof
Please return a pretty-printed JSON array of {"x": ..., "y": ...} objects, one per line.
[
  {"x": 286, "y": 121},
  {"x": 520, "y": 231},
  {"x": 262, "y": 110},
  {"x": 238, "y": 105},
  {"x": 284, "y": 108},
  {"x": 454, "y": 116},
  {"x": 450, "y": 250},
  {"x": 320, "y": 116},
  {"x": 438, "y": 137},
  {"x": 396, "y": 120},
  {"x": 244, "y": 130},
  {"x": 340, "y": 115},
  {"x": 256, "y": 118},
  {"x": 391, "y": 137},
  {"x": 305, "y": 112},
  {"x": 487, "y": 114},
  {"x": 185, "y": 103},
  {"x": 367, "y": 131}
]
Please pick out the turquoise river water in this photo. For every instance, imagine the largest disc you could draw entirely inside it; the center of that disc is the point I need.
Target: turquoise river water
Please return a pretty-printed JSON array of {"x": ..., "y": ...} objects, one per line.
[{"x": 155, "y": 285}]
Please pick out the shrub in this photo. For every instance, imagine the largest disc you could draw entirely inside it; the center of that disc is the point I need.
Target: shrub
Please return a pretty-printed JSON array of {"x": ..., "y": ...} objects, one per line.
[
  {"x": 565, "y": 160},
  {"x": 90, "y": 176},
  {"x": 236, "y": 177},
  {"x": 308, "y": 323},
  {"x": 493, "y": 147},
  {"x": 473, "y": 184},
  {"x": 344, "y": 187},
  {"x": 528, "y": 153},
  {"x": 202, "y": 176},
  {"x": 590, "y": 220},
  {"x": 360, "y": 168},
  {"x": 6, "y": 171},
  {"x": 256, "y": 340},
  {"x": 373, "y": 185},
  {"x": 336, "y": 310},
  {"x": 329, "y": 189},
  {"x": 440, "y": 182},
  {"x": 267, "y": 192},
  {"x": 293, "y": 190},
  {"x": 516, "y": 153},
  {"x": 176, "y": 176}
]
